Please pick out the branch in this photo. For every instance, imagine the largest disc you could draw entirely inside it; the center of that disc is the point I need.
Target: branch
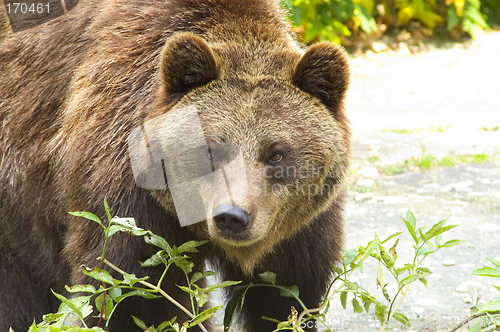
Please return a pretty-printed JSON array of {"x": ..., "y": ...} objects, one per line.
[
  {"x": 156, "y": 288},
  {"x": 468, "y": 319},
  {"x": 329, "y": 297}
]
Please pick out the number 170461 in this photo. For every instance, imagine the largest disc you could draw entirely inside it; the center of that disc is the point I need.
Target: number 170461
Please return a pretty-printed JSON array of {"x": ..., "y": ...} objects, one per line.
[{"x": 21, "y": 7}]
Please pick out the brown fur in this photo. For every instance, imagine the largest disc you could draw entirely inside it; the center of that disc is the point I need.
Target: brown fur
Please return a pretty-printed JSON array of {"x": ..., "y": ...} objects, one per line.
[{"x": 73, "y": 89}]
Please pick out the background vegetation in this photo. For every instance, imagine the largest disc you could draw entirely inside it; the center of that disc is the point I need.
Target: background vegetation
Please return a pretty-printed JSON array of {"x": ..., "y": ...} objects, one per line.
[{"x": 345, "y": 21}]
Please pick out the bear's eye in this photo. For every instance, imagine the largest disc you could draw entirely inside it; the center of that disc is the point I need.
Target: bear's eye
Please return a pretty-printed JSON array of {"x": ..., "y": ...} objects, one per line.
[{"x": 276, "y": 158}]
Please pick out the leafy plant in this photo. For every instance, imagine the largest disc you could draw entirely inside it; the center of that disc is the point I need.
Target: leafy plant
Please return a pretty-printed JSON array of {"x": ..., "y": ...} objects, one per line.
[
  {"x": 420, "y": 10},
  {"x": 468, "y": 13},
  {"x": 113, "y": 291},
  {"x": 426, "y": 242},
  {"x": 486, "y": 317},
  {"x": 318, "y": 20},
  {"x": 108, "y": 296}
]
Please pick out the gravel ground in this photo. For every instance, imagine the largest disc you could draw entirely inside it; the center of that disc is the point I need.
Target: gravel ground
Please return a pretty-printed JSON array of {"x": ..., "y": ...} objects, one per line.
[{"x": 442, "y": 98}]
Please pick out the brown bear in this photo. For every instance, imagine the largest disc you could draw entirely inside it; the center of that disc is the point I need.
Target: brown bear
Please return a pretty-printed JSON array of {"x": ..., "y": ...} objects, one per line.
[{"x": 81, "y": 93}]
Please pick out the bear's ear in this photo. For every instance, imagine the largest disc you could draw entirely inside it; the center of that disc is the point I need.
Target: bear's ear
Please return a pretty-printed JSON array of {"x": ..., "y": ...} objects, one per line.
[
  {"x": 187, "y": 62},
  {"x": 323, "y": 71}
]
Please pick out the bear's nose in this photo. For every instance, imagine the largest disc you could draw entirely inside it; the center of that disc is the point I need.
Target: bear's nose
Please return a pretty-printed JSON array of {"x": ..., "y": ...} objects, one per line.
[{"x": 231, "y": 219}]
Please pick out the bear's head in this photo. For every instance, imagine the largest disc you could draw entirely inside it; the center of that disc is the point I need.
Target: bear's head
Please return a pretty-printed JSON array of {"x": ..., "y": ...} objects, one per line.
[{"x": 253, "y": 147}]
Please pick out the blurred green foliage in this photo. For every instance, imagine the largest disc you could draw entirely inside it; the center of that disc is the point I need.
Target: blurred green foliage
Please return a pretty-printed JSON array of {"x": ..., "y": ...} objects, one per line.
[{"x": 332, "y": 20}]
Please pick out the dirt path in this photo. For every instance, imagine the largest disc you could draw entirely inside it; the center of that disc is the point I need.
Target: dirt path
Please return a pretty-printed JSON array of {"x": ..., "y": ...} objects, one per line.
[{"x": 437, "y": 101}]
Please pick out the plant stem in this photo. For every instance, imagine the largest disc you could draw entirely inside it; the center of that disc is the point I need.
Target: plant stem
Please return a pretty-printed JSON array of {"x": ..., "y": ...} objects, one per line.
[
  {"x": 106, "y": 237},
  {"x": 328, "y": 298},
  {"x": 468, "y": 319},
  {"x": 193, "y": 307},
  {"x": 393, "y": 311},
  {"x": 163, "y": 275},
  {"x": 159, "y": 290}
]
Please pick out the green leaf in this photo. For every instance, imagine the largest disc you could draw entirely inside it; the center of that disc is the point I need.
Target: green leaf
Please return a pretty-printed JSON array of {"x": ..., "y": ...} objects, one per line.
[
  {"x": 438, "y": 240},
  {"x": 475, "y": 15},
  {"x": 163, "y": 326},
  {"x": 380, "y": 276},
  {"x": 139, "y": 323},
  {"x": 154, "y": 260},
  {"x": 126, "y": 225},
  {"x": 268, "y": 277},
  {"x": 411, "y": 219},
  {"x": 408, "y": 280},
  {"x": 357, "y": 307},
  {"x": 33, "y": 328},
  {"x": 131, "y": 279},
  {"x": 475, "y": 328},
  {"x": 101, "y": 275},
  {"x": 290, "y": 291},
  {"x": 368, "y": 23},
  {"x": 436, "y": 230},
  {"x": 494, "y": 261},
  {"x": 49, "y": 318},
  {"x": 108, "y": 306},
  {"x": 393, "y": 252},
  {"x": 367, "y": 303},
  {"x": 297, "y": 15},
  {"x": 404, "y": 268},
  {"x": 453, "y": 18},
  {"x": 87, "y": 215},
  {"x": 70, "y": 304},
  {"x": 158, "y": 241},
  {"x": 223, "y": 284},
  {"x": 338, "y": 270},
  {"x": 203, "y": 316},
  {"x": 422, "y": 234},
  {"x": 392, "y": 236},
  {"x": 386, "y": 256},
  {"x": 114, "y": 292},
  {"x": 137, "y": 292},
  {"x": 349, "y": 256},
  {"x": 380, "y": 311},
  {"x": 343, "y": 299},
  {"x": 81, "y": 302},
  {"x": 198, "y": 275},
  {"x": 81, "y": 288},
  {"x": 190, "y": 246},
  {"x": 411, "y": 229},
  {"x": 312, "y": 30},
  {"x": 401, "y": 318},
  {"x": 424, "y": 271},
  {"x": 187, "y": 290},
  {"x": 201, "y": 298},
  {"x": 491, "y": 306},
  {"x": 106, "y": 207},
  {"x": 451, "y": 243},
  {"x": 283, "y": 326},
  {"x": 113, "y": 229},
  {"x": 367, "y": 252},
  {"x": 487, "y": 272},
  {"x": 184, "y": 264},
  {"x": 231, "y": 306}
]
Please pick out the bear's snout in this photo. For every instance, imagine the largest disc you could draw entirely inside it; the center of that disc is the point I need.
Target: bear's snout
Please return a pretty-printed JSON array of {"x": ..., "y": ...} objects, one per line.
[{"x": 231, "y": 219}]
